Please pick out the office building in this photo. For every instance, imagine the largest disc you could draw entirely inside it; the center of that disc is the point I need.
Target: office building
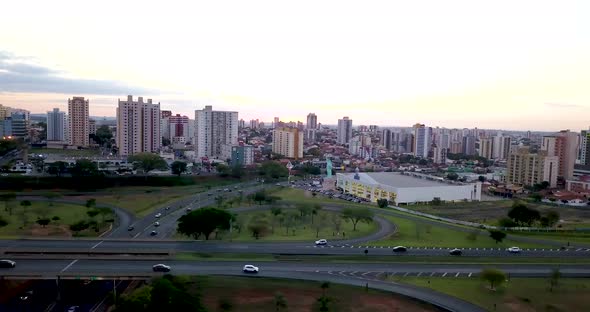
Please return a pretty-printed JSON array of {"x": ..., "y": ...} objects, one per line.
[
  {"x": 242, "y": 155},
  {"x": 19, "y": 124},
  {"x": 78, "y": 122},
  {"x": 564, "y": 145},
  {"x": 422, "y": 140},
  {"x": 287, "y": 142},
  {"x": 527, "y": 169},
  {"x": 213, "y": 131},
  {"x": 57, "y": 126},
  {"x": 344, "y": 131},
  {"x": 138, "y": 126}
]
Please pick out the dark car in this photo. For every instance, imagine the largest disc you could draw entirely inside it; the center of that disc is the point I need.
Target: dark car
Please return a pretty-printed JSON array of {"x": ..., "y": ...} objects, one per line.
[
  {"x": 130, "y": 228},
  {"x": 455, "y": 252},
  {"x": 161, "y": 268},
  {"x": 7, "y": 264},
  {"x": 153, "y": 233},
  {"x": 399, "y": 249}
]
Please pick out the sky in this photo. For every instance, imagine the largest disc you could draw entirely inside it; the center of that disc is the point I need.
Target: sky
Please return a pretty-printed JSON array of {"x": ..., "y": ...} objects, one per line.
[{"x": 517, "y": 65}]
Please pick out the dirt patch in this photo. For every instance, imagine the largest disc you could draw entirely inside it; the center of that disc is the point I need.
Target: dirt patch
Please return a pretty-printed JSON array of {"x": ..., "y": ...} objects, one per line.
[
  {"x": 518, "y": 305},
  {"x": 50, "y": 230}
]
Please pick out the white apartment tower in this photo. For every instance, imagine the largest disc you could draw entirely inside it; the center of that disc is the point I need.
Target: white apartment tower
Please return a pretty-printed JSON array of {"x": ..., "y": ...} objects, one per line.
[
  {"x": 214, "y": 131},
  {"x": 78, "y": 122},
  {"x": 422, "y": 140},
  {"x": 138, "y": 126},
  {"x": 344, "y": 131},
  {"x": 57, "y": 126}
]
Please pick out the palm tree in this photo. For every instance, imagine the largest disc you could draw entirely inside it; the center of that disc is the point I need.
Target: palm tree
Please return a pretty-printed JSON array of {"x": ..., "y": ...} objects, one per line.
[{"x": 280, "y": 301}]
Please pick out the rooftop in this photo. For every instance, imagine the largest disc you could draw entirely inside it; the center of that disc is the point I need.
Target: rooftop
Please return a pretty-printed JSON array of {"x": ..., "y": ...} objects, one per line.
[{"x": 396, "y": 179}]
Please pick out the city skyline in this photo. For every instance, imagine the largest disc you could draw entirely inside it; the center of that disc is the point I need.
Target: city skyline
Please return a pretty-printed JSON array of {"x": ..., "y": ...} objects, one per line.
[{"x": 459, "y": 65}]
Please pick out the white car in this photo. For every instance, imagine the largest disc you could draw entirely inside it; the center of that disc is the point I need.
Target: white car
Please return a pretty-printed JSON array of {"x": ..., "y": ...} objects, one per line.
[
  {"x": 248, "y": 268},
  {"x": 156, "y": 223},
  {"x": 321, "y": 242},
  {"x": 514, "y": 249},
  {"x": 158, "y": 215}
]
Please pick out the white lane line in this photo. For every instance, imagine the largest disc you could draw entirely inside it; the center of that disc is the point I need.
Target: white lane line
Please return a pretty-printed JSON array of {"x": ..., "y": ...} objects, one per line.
[
  {"x": 432, "y": 274},
  {"x": 470, "y": 274},
  {"x": 69, "y": 265},
  {"x": 419, "y": 273},
  {"x": 96, "y": 245},
  {"x": 457, "y": 275},
  {"x": 444, "y": 274},
  {"x": 406, "y": 274},
  {"x": 578, "y": 249}
]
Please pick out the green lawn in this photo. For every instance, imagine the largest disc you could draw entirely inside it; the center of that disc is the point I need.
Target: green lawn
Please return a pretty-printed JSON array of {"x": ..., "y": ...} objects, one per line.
[
  {"x": 415, "y": 234},
  {"x": 65, "y": 152},
  {"x": 303, "y": 229},
  {"x": 519, "y": 294},
  {"x": 565, "y": 237},
  {"x": 22, "y": 220}
]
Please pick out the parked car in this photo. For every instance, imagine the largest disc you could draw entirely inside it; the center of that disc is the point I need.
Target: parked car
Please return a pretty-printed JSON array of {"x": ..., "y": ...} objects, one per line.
[
  {"x": 321, "y": 242},
  {"x": 399, "y": 249},
  {"x": 161, "y": 268},
  {"x": 248, "y": 268},
  {"x": 7, "y": 264},
  {"x": 455, "y": 252},
  {"x": 514, "y": 249}
]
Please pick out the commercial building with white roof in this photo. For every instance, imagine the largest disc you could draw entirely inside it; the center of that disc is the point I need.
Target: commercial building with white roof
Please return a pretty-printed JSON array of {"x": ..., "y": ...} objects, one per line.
[{"x": 406, "y": 188}]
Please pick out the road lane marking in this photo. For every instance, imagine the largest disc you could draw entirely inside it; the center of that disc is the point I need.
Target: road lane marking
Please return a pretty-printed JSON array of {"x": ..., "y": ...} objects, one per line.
[
  {"x": 96, "y": 245},
  {"x": 470, "y": 274},
  {"x": 419, "y": 273},
  {"x": 578, "y": 249},
  {"x": 444, "y": 274},
  {"x": 432, "y": 274},
  {"x": 69, "y": 265},
  {"x": 457, "y": 275},
  {"x": 406, "y": 274}
]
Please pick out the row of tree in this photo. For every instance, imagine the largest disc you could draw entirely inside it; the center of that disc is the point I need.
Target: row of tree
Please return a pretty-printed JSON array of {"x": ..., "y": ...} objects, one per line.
[{"x": 521, "y": 215}]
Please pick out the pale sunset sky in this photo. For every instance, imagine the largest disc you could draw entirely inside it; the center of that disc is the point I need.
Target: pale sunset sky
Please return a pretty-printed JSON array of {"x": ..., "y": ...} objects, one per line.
[{"x": 522, "y": 65}]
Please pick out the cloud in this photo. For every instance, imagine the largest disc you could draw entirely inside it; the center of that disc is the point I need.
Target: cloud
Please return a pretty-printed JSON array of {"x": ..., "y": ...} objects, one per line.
[
  {"x": 564, "y": 105},
  {"x": 20, "y": 74}
]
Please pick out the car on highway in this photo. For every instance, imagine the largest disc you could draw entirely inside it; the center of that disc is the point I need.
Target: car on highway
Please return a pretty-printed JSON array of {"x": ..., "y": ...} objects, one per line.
[
  {"x": 74, "y": 309},
  {"x": 7, "y": 264},
  {"x": 399, "y": 249},
  {"x": 209, "y": 194},
  {"x": 226, "y": 190},
  {"x": 248, "y": 268},
  {"x": 130, "y": 228},
  {"x": 456, "y": 252},
  {"x": 156, "y": 223},
  {"x": 167, "y": 208},
  {"x": 514, "y": 249},
  {"x": 159, "y": 214},
  {"x": 26, "y": 296},
  {"x": 153, "y": 233},
  {"x": 321, "y": 242},
  {"x": 189, "y": 209},
  {"x": 161, "y": 268}
]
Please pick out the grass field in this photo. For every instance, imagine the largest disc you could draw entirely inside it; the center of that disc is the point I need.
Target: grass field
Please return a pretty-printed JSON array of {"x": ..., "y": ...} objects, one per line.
[
  {"x": 518, "y": 294},
  {"x": 302, "y": 230},
  {"x": 565, "y": 237},
  {"x": 489, "y": 212},
  {"x": 22, "y": 221},
  {"x": 414, "y": 234},
  {"x": 258, "y": 294}
]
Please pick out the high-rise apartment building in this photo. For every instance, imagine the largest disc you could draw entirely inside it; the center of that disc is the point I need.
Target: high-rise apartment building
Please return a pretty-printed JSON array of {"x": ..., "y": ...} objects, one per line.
[
  {"x": 422, "y": 140},
  {"x": 486, "y": 148},
  {"x": 585, "y": 147},
  {"x": 501, "y": 147},
  {"x": 564, "y": 145},
  {"x": 439, "y": 155},
  {"x": 4, "y": 112},
  {"x": 276, "y": 122},
  {"x": 344, "y": 130},
  {"x": 18, "y": 124},
  {"x": 287, "y": 142},
  {"x": 312, "y": 121},
  {"x": 214, "y": 132},
  {"x": 165, "y": 113},
  {"x": 525, "y": 168},
  {"x": 179, "y": 127},
  {"x": 242, "y": 155},
  {"x": 57, "y": 126},
  {"x": 91, "y": 126},
  {"x": 138, "y": 126},
  {"x": 78, "y": 121},
  {"x": 386, "y": 139},
  {"x": 468, "y": 145}
]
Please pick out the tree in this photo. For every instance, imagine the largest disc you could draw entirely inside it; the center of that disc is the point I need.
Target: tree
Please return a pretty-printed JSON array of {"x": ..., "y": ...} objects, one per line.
[
  {"x": 219, "y": 200},
  {"x": 237, "y": 171},
  {"x": 315, "y": 209},
  {"x": 452, "y": 176},
  {"x": 258, "y": 227},
  {"x": 336, "y": 221},
  {"x": 382, "y": 203},
  {"x": 521, "y": 214},
  {"x": 493, "y": 276},
  {"x": 79, "y": 226},
  {"x": 481, "y": 178},
  {"x": 275, "y": 212},
  {"x": 280, "y": 301},
  {"x": 320, "y": 224},
  {"x": 357, "y": 215},
  {"x": 84, "y": 168},
  {"x": 273, "y": 170},
  {"x": 43, "y": 222},
  {"x": 92, "y": 213},
  {"x": 304, "y": 209},
  {"x": 178, "y": 167},
  {"x": 147, "y": 162},
  {"x": 103, "y": 135},
  {"x": 223, "y": 170},
  {"x": 25, "y": 204},
  {"x": 536, "y": 197},
  {"x": 166, "y": 141},
  {"x": 225, "y": 304},
  {"x": 171, "y": 293},
  {"x": 259, "y": 197},
  {"x": 552, "y": 218},
  {"x": 324, "y": 286},
  {"x": 290, "y": 220},
  {"x": 507, "y": 223},
  {"x": 3, "y": 222},
  {"x": 554, "y": 279},
  {"x": 57, "y": 168},
  {"x": 91, "y": 203},
  {"x": 324, "y": 303},
  {"x": 204, "y": 221},
  {"x": 498, "y": 236},
  {"x": 8, "y": 198}
]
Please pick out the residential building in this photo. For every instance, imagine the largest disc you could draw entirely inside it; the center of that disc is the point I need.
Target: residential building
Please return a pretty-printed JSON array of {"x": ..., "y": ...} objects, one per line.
[
  {"x": 386, "y": 139},
  {"x": 344, "y": 131},
  {"x": 4, "y": 112},
  {"x": 486, "y": 148},
  {"x": 525, "y": 168},
  {"x": 242, "y": 155},
  {"x": 456, "y": 147},
  {"x": 165, "y": 127},
  {"x": 312, "y": 121},
  {"x": 254, "y": 124},
  {"x": 311, "y": 135},
  {"x": 585, "y": 147},
  {"x": 360, "y": 145},
  {"x": 468, "y": 145},
  {"x": 165, "y": 113},
  {"x": 422, "y": 140},
  {"x": 91, "y": 126},
  {"x": 78, "y": 122},
  {"x": 564, "y": 145},
  {"x": 501, "y": 147},
  {"x": 439, "y": 155},
  {"x": 213, "y": 130},
  {"x": 241, "y": 124},
  {"x": 57, "y": 126},
  {"x": 138, "y": 126},
  {"x": 276, "y": 122},
  {"x": 287, "y": 142},
  {"x": 178, "y": 128}
]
